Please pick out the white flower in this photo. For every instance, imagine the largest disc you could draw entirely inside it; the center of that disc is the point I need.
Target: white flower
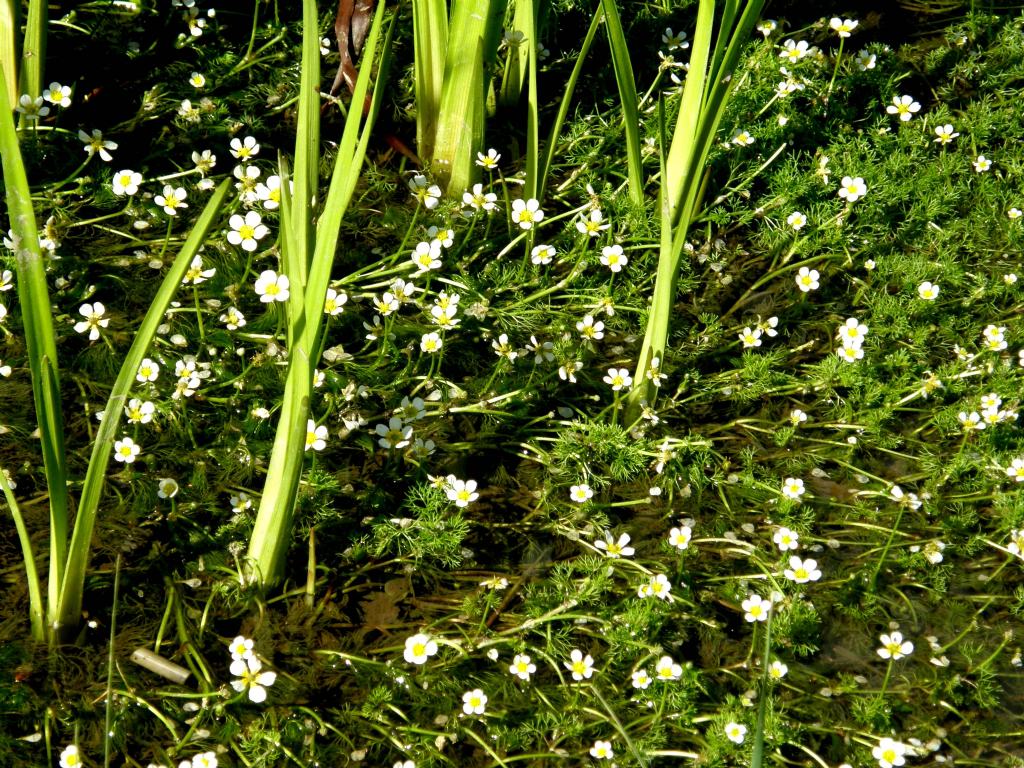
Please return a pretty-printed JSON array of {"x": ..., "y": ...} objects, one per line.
[
  {"x": 233, "y": 319},
  {"x": 542, "y": 254},
  {"x": 247, "y": 231},
  {"x": 241, "y": 647},
  {"x": 894, "y": 646},
  {"x": 807, "y": 279},
  {"x": 796, "y": 220},
  {"x": 786, "y": 539},
  {"x": 419, "y": 648},
  {"x": 904, "y": 106},
  {"x": 889, "y": 753},
  {"x": 488, "y": 161},
  {"x": 243, "y": 150},
  {"x": 593, "y": 225},
  {"x": 602, "y": 750},
  {"x": 197, "y": 80},
  {"x": 581, "y": 493},
  {"x": 850, "y": 353},
  {"x": 522, "y": 666},
  {"x": 250, "y": 676},
  {"x": 618, "y": 379},
  {"x": 393, "y": 435},
  {"x": 640, "y": 679},
  {"x": 526, "y": 213},
  {"x": 742, "y": 138},
  {"x": 802, "y": 571},
  {"x": 843, "y": 27},
  {"x": 95, "y": 143},
  {"x": 271, "y": 286},
  {"x": 1016, "y": 470},
  {"x": 928, "y": 291},
  {"x": 793, "y": 488},
  {"x": 479, "y": 200},
  {"x": 316, "y": 437},
  {"x": 462, "y": 492},
  {"x": 171, "y": 200},
  {"x": 614, "y": 548},
  {"x": 69, "y": 757},
  {"x": 428, "y": 194},
  {"x": 945, "y": 134},
  {"x": 126, "y": 182},
  {"x": 582, "y": 667},
  {"x": 58, "y": 95},
  {"x": 426, "y": 256},
  {"x": 195, "y": 274},
  {"x": 613, "y": 258},
  {"x": 148, "y": 371},
  {"x": 794, "y": 51},
  {"x": 205, "y": 161},
  {"x": 680, "y": 537},
  {"x": 658, "y": 586},
  {"x": 125, "y": 450},
  {"x": 139, "y": 412},
  {"x": 756, "y": 608},
  {"x": 777, "y": 670},
  {"x": 32, "y": 109},
  {"x": 474, "y": 702},
  {"x": 94, "y": 320},
  {"x": 865, "y": 60},
  {"x": 852, "y": 189},
  {"x": 750, "y": 338},
  {"x": 852, "y": 332},
  {"x": 673, "y": 40},
  {"x": 431, "y": 342},
  {"x": 982, "y": 164},
  {"x": 735, "y": 732}
]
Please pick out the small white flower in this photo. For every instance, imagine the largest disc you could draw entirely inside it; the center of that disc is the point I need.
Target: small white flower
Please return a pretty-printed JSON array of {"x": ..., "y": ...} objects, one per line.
[
  {"x": 244, "y": 149},
  {"x": 796, "y": 220},
  {"x": 750, "y": 338},
  {"x": 944, "y": 134},
  {"x": 428, "y": 194},
  {"x": 793, "y": 488},
  {"x": 865, "y": 60},
  {"x": 247, "y": 231},
  {"x": 1016, "y": 470},
  {"x": 431, "y": 343},
  {"x": 982, "y": 164},
  {"x": 777, "y": 670},
  {"x": 614, "y": 548},
  {"x": 522, "y": 667},
  {"x": 126, "y": 182},
  {"x": 756, "y": 608},
  {"x": 58, "y": 95},
  {"x": 581, "y": 493},
  {"x": 489, "y": 161},
  {"x": 252, "y": 678},
  {"x": 802, "y": 571},
  {"x": 94, "y": 320},
  {"x": 419, "y": 648},
  {"x": 735, "y": 732},
  {"x": 316, "y": 437},
  {"x": 96, "y": 144},
  {"x": 171, "y": 200},
  {"x": 582, "y": 667},
  {"x": 70, "y": 757},
  {"x": 602, "y": 750},
  {"x": 613, "y": 257},
  {"x": 904, "y": 106},
  {"x": 843, "y": 27},
  {"x": 852, "y": 189},
  {"x": 807, "y": 279},
  {"x": 928, "y": 291},
  {"x": 618, "y": 379},
  {"x": 889, "y": 753},
  {"x": 462, "y": 492},
  {"x": 125, "y": 450},
  {"x": 680, "y": 537},
  {"x": 271, "y": 286},
  {"x": 474, "y": 702},
  {"x": 526, "y": 213},
  {"x": 786, "y": 539}
]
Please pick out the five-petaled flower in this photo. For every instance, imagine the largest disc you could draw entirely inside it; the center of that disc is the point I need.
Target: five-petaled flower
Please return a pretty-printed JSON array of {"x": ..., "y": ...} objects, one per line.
[
  {"x": 271, "y": 286},
  {"x": 793, "y": 488},
  {"x": 613, "y": 258},
  {"x": 70, "y": 758},
  {"x": 244, "y": 149},
  {"x": 581, "y": 493},
  {"x": 474, "y": 702},
  {"x": 756, "y": 608},
  {"x": 171, "y": 200},
  {"x": 316, "y": 437},
  {"x": 126, "y": 182},
  {"x": 982, "y": 164},
  {"x": 842, "y": 27},
  {"x": 928, "y": 291},
  {"x": 889, "y": 753},
  {"x": 94, "y": 320},
  {"x": 807, "y": 279},
  {"x": 247, "y": 231},
  {"x": 618, "y": 379},
  {"x": 802, "y": 571},
  {"x": 614, "y": 548},
  {"x": 904, "y": 106},
  {"x": 582, "y": 667},
  {"x": 522, "y": 666},
  {"x": 602, "y": 750},
  {"x": 735, "y": 732},
  {"x": 125, "y": 450},
  {"x": 852, "y": 188},
  {"x": 251, "y": 677},
  {"x": 95, "y": 143},
  {"x": 526, "y": 213},
  {"x": 944, "y": 134},
  {"x": 894, "y": 646},
  {"x": 419, "y": 648}
]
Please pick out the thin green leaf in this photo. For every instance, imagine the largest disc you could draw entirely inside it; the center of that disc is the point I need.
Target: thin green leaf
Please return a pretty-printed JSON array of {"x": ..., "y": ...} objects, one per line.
[
  {"x": 69, "y": 608},
  {"x": 627, "y": 96},
  {"x": 430, "y": 42},
  {"x": 28, "y": 555}
]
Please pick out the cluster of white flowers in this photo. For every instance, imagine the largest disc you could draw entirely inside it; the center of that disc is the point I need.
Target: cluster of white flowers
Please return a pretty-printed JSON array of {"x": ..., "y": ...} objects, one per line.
[
  {"x": 851, "y": 335},
  {"x": 247, "y": 667}
]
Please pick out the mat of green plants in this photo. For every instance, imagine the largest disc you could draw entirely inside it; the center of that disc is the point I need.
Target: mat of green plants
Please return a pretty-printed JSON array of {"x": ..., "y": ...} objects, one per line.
[{"x": 802, "y": 546}]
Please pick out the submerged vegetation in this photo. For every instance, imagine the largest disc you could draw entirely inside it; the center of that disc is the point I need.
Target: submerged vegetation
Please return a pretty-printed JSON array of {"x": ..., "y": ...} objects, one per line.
[{"x": 523, "y": 398}]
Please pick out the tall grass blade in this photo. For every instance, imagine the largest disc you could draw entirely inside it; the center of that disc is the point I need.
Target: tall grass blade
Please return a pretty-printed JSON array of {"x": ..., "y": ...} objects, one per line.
[
  {"x": 33, "y": 50},
  {"x": 705, "y": 96},
  {"x": 627, "y": 96},
  {"x": 28, "y": 555},
  {"x": 9, "y": 12},
  {"x": 547, "y": 159},
  {"x": 271, "y": 535},
  {"x": 40, "y": 336},
  {"x": 430, "y": 40},
  {"x": 65, "y": 613},
  {"x": 529, "y": 22}
]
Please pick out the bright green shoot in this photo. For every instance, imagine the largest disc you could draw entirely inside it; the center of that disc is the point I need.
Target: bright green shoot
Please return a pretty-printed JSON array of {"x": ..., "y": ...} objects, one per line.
[
  {"x": 627, "y": 96},
  {"x": 68, "y": 562},
  {"x": 23, "y": 69},
  {"x": 307, "y": 254},
  {"x": 713, "y": 60},
  {"x": 450, "y": 53}
]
